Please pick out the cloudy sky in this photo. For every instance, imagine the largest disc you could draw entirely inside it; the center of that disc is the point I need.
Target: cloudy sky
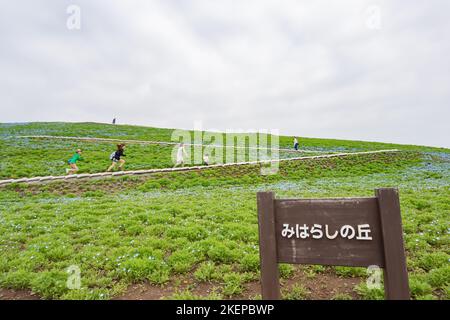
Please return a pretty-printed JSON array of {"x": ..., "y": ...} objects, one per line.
[{"x": 352, "y": 69}]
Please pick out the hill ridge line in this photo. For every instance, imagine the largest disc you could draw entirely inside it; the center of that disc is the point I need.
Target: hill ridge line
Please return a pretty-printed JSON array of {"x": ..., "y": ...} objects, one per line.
[{"x": 152, "y": 171}]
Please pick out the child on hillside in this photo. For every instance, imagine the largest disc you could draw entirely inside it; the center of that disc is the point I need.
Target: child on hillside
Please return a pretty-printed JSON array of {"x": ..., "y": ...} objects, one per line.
[
  {"x": 180, "y": 155},
  {"x": 116, "y": 157},
  {"x": 206, "y": 159},
  {"x": 295, "y": 144},
  {"x": 73, "y": 162}
]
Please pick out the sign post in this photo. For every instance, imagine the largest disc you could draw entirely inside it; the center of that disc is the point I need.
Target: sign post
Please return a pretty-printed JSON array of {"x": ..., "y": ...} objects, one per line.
[{"x": 354, "y": 232}]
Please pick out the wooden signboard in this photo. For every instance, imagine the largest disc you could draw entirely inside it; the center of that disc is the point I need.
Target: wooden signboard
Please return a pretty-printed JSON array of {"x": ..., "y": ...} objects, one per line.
[{"x": 355, "y": 232}]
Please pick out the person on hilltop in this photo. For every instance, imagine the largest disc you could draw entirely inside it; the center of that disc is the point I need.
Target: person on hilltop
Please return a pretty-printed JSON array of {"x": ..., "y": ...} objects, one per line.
[
  {"x": 295, "y": 143},
  {"x": 114, "y": 121},
  {"x": 181, "y": 152},
  {"x": 72, "y": 162},
  {"x": 115, "y": 157}
]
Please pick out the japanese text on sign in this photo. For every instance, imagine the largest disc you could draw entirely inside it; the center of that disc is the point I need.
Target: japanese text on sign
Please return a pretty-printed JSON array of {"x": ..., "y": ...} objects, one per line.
[{"x": 317, "y": 231}]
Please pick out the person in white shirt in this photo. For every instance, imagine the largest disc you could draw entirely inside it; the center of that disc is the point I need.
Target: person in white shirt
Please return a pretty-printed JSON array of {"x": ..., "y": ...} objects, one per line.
[
  {"x": 180, "y": 155},
  {"x": 206, "y": 160}
]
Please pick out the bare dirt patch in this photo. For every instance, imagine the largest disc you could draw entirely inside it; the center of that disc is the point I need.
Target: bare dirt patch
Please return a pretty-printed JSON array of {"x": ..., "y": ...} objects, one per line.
[
  {"x": 10, "y": 294},
  {"x": 324, "y": 286}
]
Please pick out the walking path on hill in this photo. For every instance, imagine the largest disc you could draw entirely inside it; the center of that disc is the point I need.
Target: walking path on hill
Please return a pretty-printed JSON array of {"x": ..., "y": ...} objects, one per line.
[
  {"x": 92, "y": 139},
  {"x": 152, "y": 171}
]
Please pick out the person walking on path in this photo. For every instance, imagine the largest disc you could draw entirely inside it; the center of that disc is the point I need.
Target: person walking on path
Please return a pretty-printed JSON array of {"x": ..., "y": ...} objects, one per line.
[
  {"x": 115, "y": 157},
  {"x": 206, "y": 159},
  {"x": 72, "y": 162},
  {"x": 295, "y": 144},
  {"x": 181, "y": 152}
]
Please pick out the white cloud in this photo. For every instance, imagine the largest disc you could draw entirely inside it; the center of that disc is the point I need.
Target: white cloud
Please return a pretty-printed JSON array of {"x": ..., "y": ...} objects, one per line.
[{"x": 305, "y": 68}]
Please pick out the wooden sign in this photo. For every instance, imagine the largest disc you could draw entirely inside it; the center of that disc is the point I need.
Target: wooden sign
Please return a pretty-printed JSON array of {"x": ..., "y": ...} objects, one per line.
[{"x": 355, "y": 232}]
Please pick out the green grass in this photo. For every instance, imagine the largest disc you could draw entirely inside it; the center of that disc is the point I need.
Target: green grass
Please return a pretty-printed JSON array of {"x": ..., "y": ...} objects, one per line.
[
  {"x": 203, "y": 224},
  {"x": 29, "y": 157},
  {"x": 98, "y": 130},
  {"x": 297, "y": 292}
]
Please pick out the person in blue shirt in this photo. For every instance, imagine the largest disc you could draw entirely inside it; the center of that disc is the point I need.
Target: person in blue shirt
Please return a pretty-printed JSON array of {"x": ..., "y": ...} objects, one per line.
[{"x": 295, "y": 144}]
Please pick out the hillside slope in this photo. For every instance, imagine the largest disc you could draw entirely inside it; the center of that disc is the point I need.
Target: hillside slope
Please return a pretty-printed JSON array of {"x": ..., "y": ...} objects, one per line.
[
  {"x": 194, "y": 234},
  {"x": 28, "y": 157}
]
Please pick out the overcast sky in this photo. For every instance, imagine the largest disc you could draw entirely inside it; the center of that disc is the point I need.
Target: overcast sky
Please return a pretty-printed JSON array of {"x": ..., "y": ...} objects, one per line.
[{"x": 352, "y": 69}]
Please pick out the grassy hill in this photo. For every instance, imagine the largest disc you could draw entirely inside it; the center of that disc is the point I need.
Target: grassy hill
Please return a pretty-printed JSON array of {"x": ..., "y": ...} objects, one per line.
[
  {"x": 28, "y": 157},
  {"x": 194, "y": 234}
]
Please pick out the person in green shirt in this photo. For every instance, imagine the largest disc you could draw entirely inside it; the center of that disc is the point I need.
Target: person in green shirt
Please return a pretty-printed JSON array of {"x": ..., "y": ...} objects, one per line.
[{"x": 73, "y": 162}]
